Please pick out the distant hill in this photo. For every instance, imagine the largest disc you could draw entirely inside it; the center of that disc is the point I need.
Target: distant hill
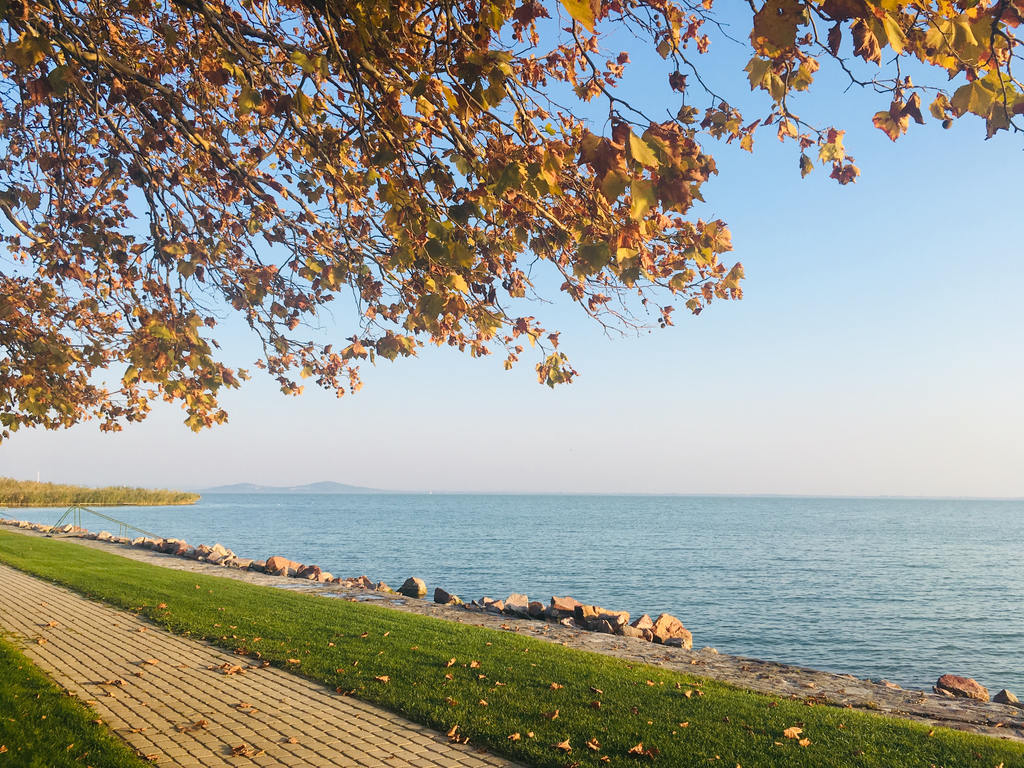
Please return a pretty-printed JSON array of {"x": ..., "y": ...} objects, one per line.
[{"x": 324, "y": 487}]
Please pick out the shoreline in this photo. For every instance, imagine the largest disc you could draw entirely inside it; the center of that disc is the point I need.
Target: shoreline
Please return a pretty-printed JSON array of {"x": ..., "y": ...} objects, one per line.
[{"x": 813, "y": 687}]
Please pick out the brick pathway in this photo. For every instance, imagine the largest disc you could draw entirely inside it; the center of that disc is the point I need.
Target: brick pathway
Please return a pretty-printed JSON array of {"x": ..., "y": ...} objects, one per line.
[{"x": 184, "y": 711}]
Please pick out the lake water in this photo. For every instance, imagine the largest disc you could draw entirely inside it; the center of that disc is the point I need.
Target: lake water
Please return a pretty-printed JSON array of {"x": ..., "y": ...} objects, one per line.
[{"x": 899, "y": 589}]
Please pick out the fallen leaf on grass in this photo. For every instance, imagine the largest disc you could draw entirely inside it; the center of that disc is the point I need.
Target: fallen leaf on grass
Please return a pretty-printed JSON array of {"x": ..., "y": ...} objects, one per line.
[
  {"x": 514, "y": 736},
  {"x": 383, "y": 679},
  {"x": 365, "y": 635},
  {"x": 451, "y": 702},
  {"x": 598, "y": 691},
  {"x": 636, "y": 750},
  {"x": 556, "y": 687},
  {"x": 563, "y": 745},
  {"x": 685, "y": 725},
  {"x": 804, "y": 742},
  {"x": 551, "y": 715},
  {"x": 594, "y": 745},
  {"x": 162, "y": 606},
  {"x": 450, "y": 662},
  {"x": 453, "y": 734},
  {"x": 688, "y": 693},
  {"x": 792, "y": 733},
  {"x": 482, "y": 703},
  {"x": 595, "y": 704},
  {"x": 3, "y": 749},
  {"x": 474, "y": 664}
]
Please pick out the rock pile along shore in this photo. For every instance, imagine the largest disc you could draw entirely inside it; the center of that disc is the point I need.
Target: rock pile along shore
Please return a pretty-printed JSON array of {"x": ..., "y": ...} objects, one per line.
[{"x": 566, "y": 611}]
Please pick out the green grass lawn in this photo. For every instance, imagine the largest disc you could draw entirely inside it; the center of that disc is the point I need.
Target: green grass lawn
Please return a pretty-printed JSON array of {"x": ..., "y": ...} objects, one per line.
[
  {"x": 493, "y": 684},
  {"x": 43, "y": 727}
]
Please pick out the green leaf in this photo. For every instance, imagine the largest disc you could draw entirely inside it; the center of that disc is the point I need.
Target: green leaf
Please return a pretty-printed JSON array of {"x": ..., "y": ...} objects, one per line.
[
  {"x": 248, "y": 100},
  {"x": 894, "y": 34},
  {"x": 614, "y": 184},
  {"x": 642, "y": 151},
  {"x": 644, "y": 198}
]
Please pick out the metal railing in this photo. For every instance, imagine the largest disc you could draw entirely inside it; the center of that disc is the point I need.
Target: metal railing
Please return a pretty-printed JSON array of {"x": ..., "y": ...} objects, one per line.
[{"x": 76, "y": 511}]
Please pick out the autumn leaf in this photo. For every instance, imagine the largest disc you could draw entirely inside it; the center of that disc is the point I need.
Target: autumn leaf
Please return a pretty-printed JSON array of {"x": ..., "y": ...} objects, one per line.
[
  {"x": 553, "y": 715},
  {"x": 582, "y": 11},
  {"x": 382, "y": 678},
  {"x": 556, "y": 687},
  {"x": 514, "y": 736},
  {"x": 792, "y": 732},
  {"x": 593, "y": 744},
  {"x": 563, "y": 746}
]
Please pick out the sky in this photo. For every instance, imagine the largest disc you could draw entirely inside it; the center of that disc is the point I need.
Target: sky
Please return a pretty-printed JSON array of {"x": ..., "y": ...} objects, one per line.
[{"x": 877, "y": 351}]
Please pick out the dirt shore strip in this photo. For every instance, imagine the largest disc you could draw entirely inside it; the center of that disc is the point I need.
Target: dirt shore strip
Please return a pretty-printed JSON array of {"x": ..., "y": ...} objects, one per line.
[
  {"x": 782, "y": 680},
  {"x": 170, "y": 699}
]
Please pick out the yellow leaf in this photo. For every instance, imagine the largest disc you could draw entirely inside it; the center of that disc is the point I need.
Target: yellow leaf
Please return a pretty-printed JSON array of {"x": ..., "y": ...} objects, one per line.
[
  {"x": 582, "y": 11},
  {"x": 563, "y": 745},
  {"x": 641, "y": 151},
  {"x": 804, "y": 742},
  {"x": 793, "y": 732},
  {"x": 894, "y": 34}
]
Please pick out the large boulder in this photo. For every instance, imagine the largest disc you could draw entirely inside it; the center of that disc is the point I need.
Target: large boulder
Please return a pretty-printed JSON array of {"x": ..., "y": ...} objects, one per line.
[
  {"x": 413, "y": 587},
  {"x": 282, "y": 566},
  {"x": 642, "y": 623},
  {"x": 561, "y": 607},
  {"x": 586, "y": 613},
  {"x": 667, "y": 627},
  {"x": 493, "y": 606},
  {"x": 536, "y": 609},
  {"x": 517, "y": 605},
  {"x": 1005, "y": 697},
  {"x": 615, "y": 618},
  {"x": 961, "y": 687},
  {"x": 628, "y": 631},
  {"x": 443, "y": 597},
  {"x": 311, "y": 572}
]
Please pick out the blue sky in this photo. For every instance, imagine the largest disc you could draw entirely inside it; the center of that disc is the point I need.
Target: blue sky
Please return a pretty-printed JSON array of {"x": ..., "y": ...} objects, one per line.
[{"x": 877, "y": 351}]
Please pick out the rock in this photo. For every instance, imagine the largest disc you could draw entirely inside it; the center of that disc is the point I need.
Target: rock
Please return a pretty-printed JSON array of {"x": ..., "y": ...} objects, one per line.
[
  {"x": 584, "y": 613},
  {"x": 615, "y": 618},
  {"x": 364, "y": 582},
  {"x": 324, "y": 576},
  {"x": 568, "y": 621},
  {"x": 222, "y": 551},
  {"x": 260, "y": 566},
  {"x": 174, "y": 547},
  {"x": 561, "y": 607},
  {"x": 1005, "y": 697},
  {"x": 601, "y": 625},
  {"x": 104, "y": 536},
  {"x": 628, "y": 631},
  {"x": 243, "y": 563},
  {"x": 204, "y": 551},
  {"x": 648, "y": 635},
  {"x": 281, "y": 566},
  {"x": 191, "y": 553},
  {"x": 667, "y": 627},
  {"x": 644, "y": 622},
  {"x": 382, "y": 587},
  {"x": 311, "y": 572},
  {"x": 518, "y": 605},
  {"x": 961, "y": 687},
  {"x": 679, "y": 642},
  {"x": 535, "y": 609},
  {"x": 493, "y": 606},
  {"x": 446, "y": 598},
  {"x": 413, "y": 587}
]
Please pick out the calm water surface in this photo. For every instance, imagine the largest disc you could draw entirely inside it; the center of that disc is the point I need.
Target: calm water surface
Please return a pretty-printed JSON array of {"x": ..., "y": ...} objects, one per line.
[{"x": 899, "y": 589}]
